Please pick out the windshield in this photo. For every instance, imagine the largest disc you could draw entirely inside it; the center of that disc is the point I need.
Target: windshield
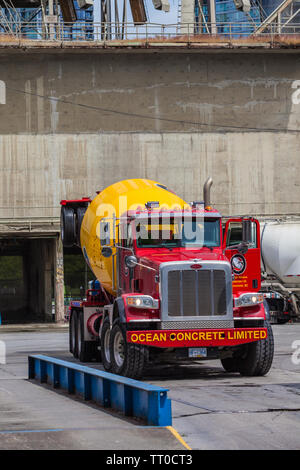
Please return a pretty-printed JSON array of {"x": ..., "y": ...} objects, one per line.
[{"x": 178, "y": 232}]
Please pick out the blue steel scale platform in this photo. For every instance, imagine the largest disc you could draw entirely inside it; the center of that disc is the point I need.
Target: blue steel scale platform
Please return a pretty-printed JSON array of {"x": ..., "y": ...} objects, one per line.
[{"x": 132, "y": 397}]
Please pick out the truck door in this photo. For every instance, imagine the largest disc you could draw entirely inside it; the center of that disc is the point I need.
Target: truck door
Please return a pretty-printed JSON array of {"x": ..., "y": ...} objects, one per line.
[
  {"x": 245, "y": 266},
  {"x": 126, "y": 247}
]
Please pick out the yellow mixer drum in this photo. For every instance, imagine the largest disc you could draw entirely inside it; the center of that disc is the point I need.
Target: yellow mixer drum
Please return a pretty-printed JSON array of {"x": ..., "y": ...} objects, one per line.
[{"x": 110, "y": 204}]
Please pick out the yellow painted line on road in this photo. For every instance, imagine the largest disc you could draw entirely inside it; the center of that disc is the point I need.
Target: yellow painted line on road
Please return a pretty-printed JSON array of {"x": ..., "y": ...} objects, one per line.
[{"x": 178, "y": 437}]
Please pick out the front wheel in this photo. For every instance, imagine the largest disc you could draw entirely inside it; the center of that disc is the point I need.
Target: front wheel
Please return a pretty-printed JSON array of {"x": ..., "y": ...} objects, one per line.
[
  {"x": 126, "y": 358},
  {"x": 258, "y": 356}
]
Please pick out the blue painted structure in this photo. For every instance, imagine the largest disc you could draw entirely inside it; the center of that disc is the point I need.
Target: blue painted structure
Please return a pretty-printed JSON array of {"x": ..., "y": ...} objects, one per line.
[
  {"x": 34, "y": 29},
  {"x": 132, "y": 397},
  {"x": 229, "y": 19},
  {"x": 270, "y": 5}
]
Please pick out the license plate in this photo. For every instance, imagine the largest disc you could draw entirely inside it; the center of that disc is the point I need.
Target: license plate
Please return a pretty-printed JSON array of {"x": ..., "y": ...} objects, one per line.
[{"x": 197, "y": 352}]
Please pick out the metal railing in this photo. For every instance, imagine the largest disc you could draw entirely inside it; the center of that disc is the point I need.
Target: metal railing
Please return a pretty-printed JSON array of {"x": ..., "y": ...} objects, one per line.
[{"x": 149, "y": 32}]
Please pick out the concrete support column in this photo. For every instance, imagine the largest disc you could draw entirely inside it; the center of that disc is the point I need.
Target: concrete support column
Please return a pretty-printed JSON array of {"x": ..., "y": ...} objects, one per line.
[
  {"x": 39, "y": 261},
  {"x": 212, "y": 17},
  {"x": 187, "y": 17},
  {"x": 59, "y": 281},
  {"x": 48, "y": 255},
  {"x": 35, "y": 282}
]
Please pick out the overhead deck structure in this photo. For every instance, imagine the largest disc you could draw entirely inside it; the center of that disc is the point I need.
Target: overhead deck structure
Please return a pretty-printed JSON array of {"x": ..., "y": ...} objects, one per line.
[{"x": 104, "y": 19}]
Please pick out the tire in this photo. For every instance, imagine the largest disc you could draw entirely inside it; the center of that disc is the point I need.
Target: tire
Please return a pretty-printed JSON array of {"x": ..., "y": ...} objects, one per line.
[
  {"x": 73, "y": 334},
  {"x": 80, "y": 214},
  {"x": 85, "y": 349},
  {"x": 230, "y": 364},
  {"x": 258, "y": 356},
  {"x": 267, "y": 310},
  {"x": 67, "y": 226},
  {"x": 282, "y": 321},
  {"x": 127, "y": 359},
  {"x": 104, "y": 341}
]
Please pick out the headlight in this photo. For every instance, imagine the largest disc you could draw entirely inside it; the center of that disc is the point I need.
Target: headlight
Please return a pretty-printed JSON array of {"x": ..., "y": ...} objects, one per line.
[
  {"x": 142, "y": 301},
  {"x": 247, "y": 300}
]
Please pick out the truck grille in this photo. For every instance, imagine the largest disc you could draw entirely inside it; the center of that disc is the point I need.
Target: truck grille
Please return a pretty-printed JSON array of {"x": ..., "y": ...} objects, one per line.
[
  {"x": 198, "y": 324},
  {"x": 197, "y": 293}
]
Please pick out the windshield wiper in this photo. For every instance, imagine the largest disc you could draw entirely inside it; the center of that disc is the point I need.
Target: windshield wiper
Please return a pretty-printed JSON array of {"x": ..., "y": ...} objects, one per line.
[
  {"x": 166, "y": 245},
  {"x": 209, "y": 246}
]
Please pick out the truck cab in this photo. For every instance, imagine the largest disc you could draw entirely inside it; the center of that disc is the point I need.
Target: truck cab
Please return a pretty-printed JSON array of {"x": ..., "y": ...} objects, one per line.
[{"x": 163, "y": 255}]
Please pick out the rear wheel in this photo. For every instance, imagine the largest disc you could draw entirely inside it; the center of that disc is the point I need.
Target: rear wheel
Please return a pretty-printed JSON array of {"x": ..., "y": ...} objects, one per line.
[
  {"x": 126, "y": 358},
  {"x": 104, "y": 341},
  {"x": 73, "y": 334},
  {"x": 229, "y": 364},
  {"x": 282, "y": 321},
  {"x": 258, "y": 356},
  {"x": 86, "y": 349}
]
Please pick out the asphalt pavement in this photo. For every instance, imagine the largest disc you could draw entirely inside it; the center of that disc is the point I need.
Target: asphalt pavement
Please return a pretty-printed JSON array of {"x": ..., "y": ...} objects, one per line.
[
  {"x": 36, "y": 417},
  {"x": 211, "y": 409}
]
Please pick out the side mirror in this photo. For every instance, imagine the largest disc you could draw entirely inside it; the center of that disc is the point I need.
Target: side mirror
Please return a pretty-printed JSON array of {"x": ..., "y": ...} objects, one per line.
[
  {"x": 130, "y": 261},
  {"x": 242, "y": 248},
  {"x": 247, "y": 231},
  {"x": 106, "y": 251}
]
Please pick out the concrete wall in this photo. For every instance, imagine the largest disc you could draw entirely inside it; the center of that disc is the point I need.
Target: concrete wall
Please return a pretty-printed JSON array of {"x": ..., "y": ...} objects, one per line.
[
  {"x": 73, "y": 123},
  {"x": 253, "y": 173}
]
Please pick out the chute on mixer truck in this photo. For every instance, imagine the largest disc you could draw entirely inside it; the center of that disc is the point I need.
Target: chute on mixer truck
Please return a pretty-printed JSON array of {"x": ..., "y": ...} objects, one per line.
[{"x": 171, "y": 283}]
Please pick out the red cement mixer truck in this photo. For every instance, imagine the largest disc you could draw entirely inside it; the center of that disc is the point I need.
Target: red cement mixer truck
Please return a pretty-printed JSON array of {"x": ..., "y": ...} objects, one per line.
[{"x": 172, "y": 282}]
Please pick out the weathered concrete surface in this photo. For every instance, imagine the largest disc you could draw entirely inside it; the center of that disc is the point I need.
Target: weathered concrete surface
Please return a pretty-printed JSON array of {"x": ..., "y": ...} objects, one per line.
[
  {"x": 36, "y": 417},
  {"x": 72, "y": 123},
  {"x": 188, "y": 92},
  {"x": 212, "y": 409},
  {"x": 255, "y": 173}
]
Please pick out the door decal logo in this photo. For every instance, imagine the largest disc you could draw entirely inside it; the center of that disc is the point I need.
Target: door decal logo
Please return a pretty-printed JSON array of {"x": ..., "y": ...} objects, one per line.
[{"x": 238, "y": 264}]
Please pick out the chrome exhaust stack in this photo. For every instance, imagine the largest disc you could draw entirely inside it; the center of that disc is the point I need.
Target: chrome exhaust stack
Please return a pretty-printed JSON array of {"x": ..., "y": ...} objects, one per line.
[{"x": 206, "y": 192}]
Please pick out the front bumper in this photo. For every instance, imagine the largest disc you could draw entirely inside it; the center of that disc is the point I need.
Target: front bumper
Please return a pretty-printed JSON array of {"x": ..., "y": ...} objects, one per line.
[{"x": 196, "y": 338}]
